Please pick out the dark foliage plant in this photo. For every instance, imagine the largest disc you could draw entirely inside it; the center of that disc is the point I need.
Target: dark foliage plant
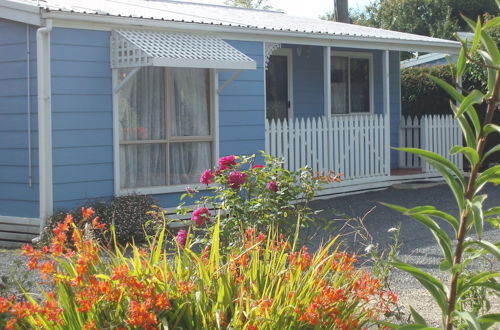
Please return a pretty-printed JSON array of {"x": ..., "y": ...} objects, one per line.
[{"x": 130, "y": 215}]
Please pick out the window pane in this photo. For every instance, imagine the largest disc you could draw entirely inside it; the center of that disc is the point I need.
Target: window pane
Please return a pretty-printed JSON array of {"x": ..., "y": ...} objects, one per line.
[
  {"x": 142, "y": 165},
  {"x": 340, "y": 86},
  {"x": 141, "y": 103},
  {"x": 360, "y": 85},
  {"x": 188, "y": 160},
  {"x": 190, "y": 102}
]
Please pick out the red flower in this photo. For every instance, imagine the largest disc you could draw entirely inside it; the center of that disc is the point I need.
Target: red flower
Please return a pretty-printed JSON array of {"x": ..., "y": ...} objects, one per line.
[
  {"x": 96, "y": 224},
  {"x": 207, "y": 177},
  {"x": 181, "y": 237},
  {"x": 236, "y": 179},
  {"x": 87, "y": 212},
  {"x": 201, "y": 215},
  {"x": 227, "y": 162},
  {"x": 256, "y": 166},
  {"x": 272, "y": 186}
]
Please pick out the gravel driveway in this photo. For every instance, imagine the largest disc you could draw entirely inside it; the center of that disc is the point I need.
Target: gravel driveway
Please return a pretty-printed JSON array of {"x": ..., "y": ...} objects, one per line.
[{"x": 419, "y": 247}]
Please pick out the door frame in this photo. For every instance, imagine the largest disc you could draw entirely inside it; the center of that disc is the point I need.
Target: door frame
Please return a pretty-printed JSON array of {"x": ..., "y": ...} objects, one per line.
[{"x": 288, "y": 53}]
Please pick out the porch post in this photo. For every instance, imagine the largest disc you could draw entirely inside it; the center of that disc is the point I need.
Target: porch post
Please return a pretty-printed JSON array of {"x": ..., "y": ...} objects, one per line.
[
  {"x": 326, "y": 80},
  {"x": 387, "y": 112}
]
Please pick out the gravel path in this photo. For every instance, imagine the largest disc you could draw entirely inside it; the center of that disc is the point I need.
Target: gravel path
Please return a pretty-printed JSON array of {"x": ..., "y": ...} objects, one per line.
[{"x": 419, "y": 247}]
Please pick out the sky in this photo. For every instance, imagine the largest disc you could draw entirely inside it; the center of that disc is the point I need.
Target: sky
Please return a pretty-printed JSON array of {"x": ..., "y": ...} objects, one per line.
[{"x": 307, "y": 8}]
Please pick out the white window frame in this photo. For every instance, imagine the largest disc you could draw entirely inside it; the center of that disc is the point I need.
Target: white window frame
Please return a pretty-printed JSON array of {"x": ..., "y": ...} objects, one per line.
[
  {"x": 288, "y": 53},
  {"x": 349, "y": 55},
  {"x": 214, "y": 130}
]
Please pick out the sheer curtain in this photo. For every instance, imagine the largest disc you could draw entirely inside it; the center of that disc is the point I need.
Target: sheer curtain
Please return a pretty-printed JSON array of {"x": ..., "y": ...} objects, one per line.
[
  {"x": 142, "y": 117},
  {"x": 189, "y": 116}
]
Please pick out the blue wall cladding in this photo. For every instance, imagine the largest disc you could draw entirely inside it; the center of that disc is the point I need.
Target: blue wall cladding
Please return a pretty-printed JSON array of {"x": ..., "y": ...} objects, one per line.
[
  {"x": 82, "y": 123},
  {"x": 242, "y": 105},
  {"x": 17, "y": 197}
]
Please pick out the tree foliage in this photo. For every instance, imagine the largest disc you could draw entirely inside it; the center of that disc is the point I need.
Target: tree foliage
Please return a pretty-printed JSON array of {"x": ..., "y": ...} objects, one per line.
[
  {"x": 255, "y": 4},
  {"x": 435, "y": 18}
]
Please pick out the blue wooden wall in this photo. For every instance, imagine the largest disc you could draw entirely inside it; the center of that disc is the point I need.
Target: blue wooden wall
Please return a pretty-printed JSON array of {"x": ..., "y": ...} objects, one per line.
[
  {"x": 82, "y": 122},
  {"x": 17, "y": 198}
]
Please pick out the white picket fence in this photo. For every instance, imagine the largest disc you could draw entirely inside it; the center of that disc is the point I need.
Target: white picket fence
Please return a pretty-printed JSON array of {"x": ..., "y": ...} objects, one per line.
[
  {"x": 437, "y": 133},
  {"x": 356, "y": 146}
]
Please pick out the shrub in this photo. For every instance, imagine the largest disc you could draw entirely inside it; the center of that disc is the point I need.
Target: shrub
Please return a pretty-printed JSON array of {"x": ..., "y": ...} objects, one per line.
[
  {"x": 263, "y": 283},
  {"x": 255, "y": 195},
  {"x": 130, "y": 214}
]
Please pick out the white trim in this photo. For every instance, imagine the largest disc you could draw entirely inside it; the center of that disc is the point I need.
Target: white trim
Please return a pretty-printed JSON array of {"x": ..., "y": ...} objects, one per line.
[
  {"x": 203, "y": 64},
  {"x": 327, "y": 81},
  {"x": 44, "y": 121},
  {"x": 214, "y": 86},
  {"x": 20, "y": 12},
  {"x": 227, "y": 82},
  {"x": 116, "y": 134},
  {"x": 419, "y": 60},
  {"x": 21, "y": 221},
  {"x": 364, "y": 55},
  {"x": 159, "y": 189},
  {"x": 387, "y": 109},
  {"x": 288, "y": 53},
  {"x": 129, "y": 76},
  {"x": 108, "y": 23}
]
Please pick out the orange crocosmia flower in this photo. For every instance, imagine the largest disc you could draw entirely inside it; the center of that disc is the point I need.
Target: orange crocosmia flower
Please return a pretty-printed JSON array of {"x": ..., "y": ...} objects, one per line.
[
  {"x": 87, "y": 212},
  {"x": 140, "y": 316},
  {"x": 162, "y": 302},
  {"x": 47, "y": 267},
  {"x": 96, "y": 224},
  {"x": 184, "y": 287},
  {"x": 32, "y": 263},
  {"x": 4, "y": 304},
  {"x": 252, "y": 327},
  {"x": 10, "y": 324},
  {"x": 90, "y": 325}
]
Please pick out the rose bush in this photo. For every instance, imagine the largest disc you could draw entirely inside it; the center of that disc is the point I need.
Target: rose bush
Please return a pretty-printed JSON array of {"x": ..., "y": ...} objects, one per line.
[{"x": 255, "y": 195}]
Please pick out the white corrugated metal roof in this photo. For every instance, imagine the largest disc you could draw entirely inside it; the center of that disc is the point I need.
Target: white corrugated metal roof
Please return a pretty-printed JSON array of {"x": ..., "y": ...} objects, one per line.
[{"x": 178, "y": 11}]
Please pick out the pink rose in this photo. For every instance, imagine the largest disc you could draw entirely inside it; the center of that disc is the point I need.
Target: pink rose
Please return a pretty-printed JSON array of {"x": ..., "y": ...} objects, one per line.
[
  {"x": 227, "y": 162},
  {"x": 181, "y": 237},
  {"x": 201, "y": 215},
  {"x": 207, "y": 177},
  {"x": 236, "y": 179},
  {"x": 272, "y": 186},
  {"x": 257, "y": 166}
]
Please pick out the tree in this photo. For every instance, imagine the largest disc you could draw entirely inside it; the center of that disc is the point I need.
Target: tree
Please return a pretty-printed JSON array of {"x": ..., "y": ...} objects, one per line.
[
  {"x": 472, "y": 9},
  {"x": 425, "y": 17},
  {"x": 256, "y": 4}
]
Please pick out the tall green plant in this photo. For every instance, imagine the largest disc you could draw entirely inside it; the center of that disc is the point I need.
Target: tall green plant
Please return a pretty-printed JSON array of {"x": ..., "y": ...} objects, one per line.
[{"x": 452, "y": 298}]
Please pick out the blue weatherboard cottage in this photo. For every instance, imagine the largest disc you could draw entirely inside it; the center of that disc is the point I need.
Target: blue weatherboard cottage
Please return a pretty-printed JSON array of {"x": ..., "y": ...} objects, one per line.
[{"x": 108, "y": 97}]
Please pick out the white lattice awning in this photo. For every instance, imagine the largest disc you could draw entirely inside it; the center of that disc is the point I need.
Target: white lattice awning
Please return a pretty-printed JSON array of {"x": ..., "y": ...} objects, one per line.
[{"x": 135, "y": 48}]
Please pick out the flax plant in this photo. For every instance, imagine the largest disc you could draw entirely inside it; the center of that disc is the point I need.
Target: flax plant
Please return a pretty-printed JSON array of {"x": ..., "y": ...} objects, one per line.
[{"x": 460, "y": 249}]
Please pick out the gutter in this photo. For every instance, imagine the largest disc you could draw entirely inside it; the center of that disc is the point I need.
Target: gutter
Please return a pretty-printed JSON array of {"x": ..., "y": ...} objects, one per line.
[
  {"x": 302, "y": 37},
  {"x": 44, "y": 121}
]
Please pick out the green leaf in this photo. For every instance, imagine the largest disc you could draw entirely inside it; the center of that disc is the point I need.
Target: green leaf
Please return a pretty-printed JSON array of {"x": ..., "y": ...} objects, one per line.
[
  {"x": 488, "y": 246},
  {"x": 416, "y": 327},
  {"x": 417, "y": 317},
  {"x": 493, "y": 211},
  {"x": 491, "y": 128},
  {"x": 491, "y": 72},
  {"x": 433, "y": 285},
  {"x": 491, "y": 47},
  {"x": 476, "y": 39},
  {"x": 487, "y": 320},
  {"x": 487, "y": 176},
  {"x": 448, "y": 88},
  {"x": 431, "y": 210},
  {"x": 470, "y": 319},
  {"x": 470, "y": 153},
  {"x": 491, "y": 151},
  {"x": 432, "y": 156},
  {"x": 440, "y": 235},
  {"x": 477, "y": 211},
  {"x": 474, "y": 97},
  {"x": 491, "y": 23},
  {"x": 461, "y": 63},
  {"x": 466, "y": 128}
]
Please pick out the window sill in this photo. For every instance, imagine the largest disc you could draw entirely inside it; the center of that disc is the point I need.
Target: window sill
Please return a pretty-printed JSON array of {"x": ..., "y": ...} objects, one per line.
[{"x": 160, "y": 190}]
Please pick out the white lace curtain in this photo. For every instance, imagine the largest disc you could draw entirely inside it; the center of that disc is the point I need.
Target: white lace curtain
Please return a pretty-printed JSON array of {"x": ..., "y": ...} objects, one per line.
[{"x": 151, "y": 155}]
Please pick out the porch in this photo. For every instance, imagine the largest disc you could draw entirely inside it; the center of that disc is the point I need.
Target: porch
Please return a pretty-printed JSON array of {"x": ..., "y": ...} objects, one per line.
[{"x": 359, "y": 147}]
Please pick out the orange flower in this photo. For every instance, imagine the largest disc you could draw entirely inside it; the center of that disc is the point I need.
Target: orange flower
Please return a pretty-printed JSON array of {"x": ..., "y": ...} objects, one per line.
[
  {"x": 96, "y": 224},
  {"x": 140, "y": 316},
  {"x": 10, "y": 324},
  {"x": 162, "y": 302},
  {"x": 87, "y": 212},
  {"x": 89, "y": 325}
]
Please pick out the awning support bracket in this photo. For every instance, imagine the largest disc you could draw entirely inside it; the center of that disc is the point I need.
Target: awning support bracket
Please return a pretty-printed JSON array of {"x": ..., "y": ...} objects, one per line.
[
  {"x": 129, "y": 76},
  {"x": 227, "y": 82}
]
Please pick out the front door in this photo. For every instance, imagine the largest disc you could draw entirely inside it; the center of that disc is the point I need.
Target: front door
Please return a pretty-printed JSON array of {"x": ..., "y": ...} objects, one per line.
[{"x": 278, "y": 85}]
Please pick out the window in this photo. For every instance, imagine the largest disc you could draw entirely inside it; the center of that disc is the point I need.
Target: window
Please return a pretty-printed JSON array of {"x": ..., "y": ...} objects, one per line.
[
  {"x": 351, "y": 83},
  {"x": 165, "y": 122}
]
